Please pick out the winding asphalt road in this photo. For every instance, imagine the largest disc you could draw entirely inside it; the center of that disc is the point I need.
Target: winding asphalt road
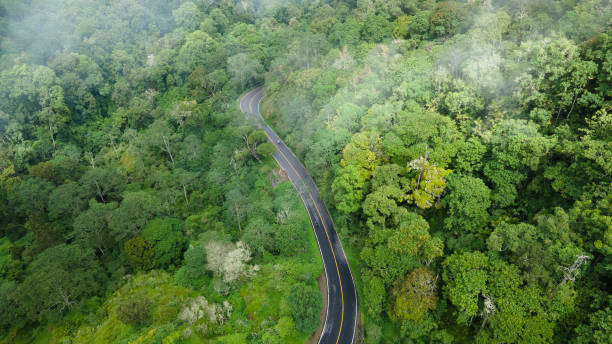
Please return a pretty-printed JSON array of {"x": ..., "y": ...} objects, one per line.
[{"x": 341, "y": 315}]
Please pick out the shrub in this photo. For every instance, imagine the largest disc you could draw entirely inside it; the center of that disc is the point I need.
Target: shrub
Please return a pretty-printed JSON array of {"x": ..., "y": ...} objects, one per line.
[
  {"x": 135, "y": 310},
  {"x": 305, "y": 303}
]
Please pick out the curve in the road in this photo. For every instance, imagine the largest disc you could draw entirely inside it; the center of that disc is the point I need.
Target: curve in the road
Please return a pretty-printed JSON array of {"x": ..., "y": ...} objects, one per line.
[{"x": 341, "y": 314}]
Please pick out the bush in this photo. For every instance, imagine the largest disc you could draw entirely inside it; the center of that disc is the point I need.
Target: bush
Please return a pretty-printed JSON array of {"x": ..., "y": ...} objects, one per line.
[
  {"x": 305, "y": 303},
  {"x": 135, "y": 310}
]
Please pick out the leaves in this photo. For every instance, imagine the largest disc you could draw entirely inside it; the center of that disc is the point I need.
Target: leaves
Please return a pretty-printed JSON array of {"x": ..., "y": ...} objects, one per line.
[
  {"x": 305, "y": 304},
  {"x": 428, "y": 185},
  {"x": 414, "y": 295},
  {"x": 468, "y": 199}
]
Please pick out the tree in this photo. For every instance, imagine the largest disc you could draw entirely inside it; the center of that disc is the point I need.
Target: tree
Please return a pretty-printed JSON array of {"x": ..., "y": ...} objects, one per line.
[
  {"x": 54, "y": 112},
  {"x": 414, "y": 295},
  {"x": 260, "y": 237},
  {"x": 428, "y": 185},
  {"x": 106, "y": 183},
  {"x": 347, "y": 32},
  {"x": 237, "y": 205},
  {"x": 448, "y": 18},
  {"x": 417, "y": 133},
  {"x": 514, "y": 313},
  {"x": 165, "y": 239},
  {"x": 244, "y": 69},
  {"x": 400, "y": 27},
  {"x": 596, "y": 140},
  {"x": 91, "y": 227},
  {"x": 461, "y": 100},
  {"x": 192, "y": 273},
  {"x": 187, "y": 15},
  {"x": 187, "y": 181},
  {"x": 229, "y": 261},
  {"x": 46, "y": 234},
  {"x": 9, "y": 300},
  {"x": 136, "y": 209},
  {"x": 591, "y": 219},
  {"x": 597, "y": 330},
  {"x": 413, "y": 238},
  {"x": 375, "y": 296},
  {"x": 253, "y": 140},
  {"x": 191, "y": 155},
  {"x": 375, "y": 29},
  {"x": 60, "y": 277},
  {"x": 184, "y": 110},
  {"x": 465, "y": 277},
  {"x": 417, "y": 26},
  {"x": 81, "y": 79},
  {"x": 266, "y": 149},
  {"x": 305, "y": 304},
  {"x": 361, "y": 156},
  {"x": 291, "y": 237},
  {"x": 160, "y": 138},
  {"x": 470, "y": 156},
  {"x": 139, "y": 253},
  {"x": 216, "y": 80},
  {"x": 552, "y": 76},
  {"x": 30, "y": 196},
  {"x": 540, "y": 252},
  {"x": 285, "y": 327},
  {"x": 66, "y": 202},
  {"x": 381, "y": 205},
  {"x": 195, "y": 52},
  {"x": 23, "y": 87},
  {"x": 468, "y": 200},
  {"x": 390, "y": 253},
  {"x": 516, "y": 147},
  {"x": 348, "y": 189},
  {"x": 46, "y": 170}
]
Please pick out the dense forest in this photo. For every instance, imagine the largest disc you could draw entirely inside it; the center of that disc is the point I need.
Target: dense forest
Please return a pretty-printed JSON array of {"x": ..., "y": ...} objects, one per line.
[{"x": 464, "y": 149}]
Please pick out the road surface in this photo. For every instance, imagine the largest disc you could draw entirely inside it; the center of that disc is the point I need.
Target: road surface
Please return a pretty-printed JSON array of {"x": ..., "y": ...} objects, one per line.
[{"x": 341, "y": 315}]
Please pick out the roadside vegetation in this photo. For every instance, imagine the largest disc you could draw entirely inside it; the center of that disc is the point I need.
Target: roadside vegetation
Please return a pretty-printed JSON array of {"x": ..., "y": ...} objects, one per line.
[
  {"x": 463, "y": 148},
  {"x": 137, "y": 204}
]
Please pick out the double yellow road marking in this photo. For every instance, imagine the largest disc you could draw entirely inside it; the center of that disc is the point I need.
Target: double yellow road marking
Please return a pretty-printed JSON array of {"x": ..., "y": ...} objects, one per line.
[
  {"x": 328, "y": 239},
  {"x": 320, "y": 217}
]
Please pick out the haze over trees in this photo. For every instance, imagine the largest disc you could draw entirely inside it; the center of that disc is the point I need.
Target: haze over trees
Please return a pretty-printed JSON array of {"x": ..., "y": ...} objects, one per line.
[{"x": 463, "y": 148}]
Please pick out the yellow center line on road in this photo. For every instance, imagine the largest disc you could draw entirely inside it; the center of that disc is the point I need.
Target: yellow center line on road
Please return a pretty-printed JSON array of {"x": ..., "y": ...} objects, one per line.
[
  {"x": 322, "y": 222},
  {"x": 328, "y": 240},
  {"x": 337, "y": 269}
]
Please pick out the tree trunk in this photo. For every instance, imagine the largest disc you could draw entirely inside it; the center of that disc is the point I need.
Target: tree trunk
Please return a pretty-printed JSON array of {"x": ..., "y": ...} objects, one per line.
[
  {"x": 114, "y": 147},
  {"x": 52, "y": 134},
  {"x": 572, "y": 272},
  {"x": 238, "y": 218},
  {"x": 99, "y": 191},
  {"x": 168, "y": 149},
  {"x": 185, "y": 194}
]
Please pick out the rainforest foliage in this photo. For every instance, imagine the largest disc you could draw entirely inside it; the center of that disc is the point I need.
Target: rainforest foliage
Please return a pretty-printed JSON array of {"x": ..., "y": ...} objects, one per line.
[
  {"x": 137, "y": 204},
  {"x": 463, "y": 147}
]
